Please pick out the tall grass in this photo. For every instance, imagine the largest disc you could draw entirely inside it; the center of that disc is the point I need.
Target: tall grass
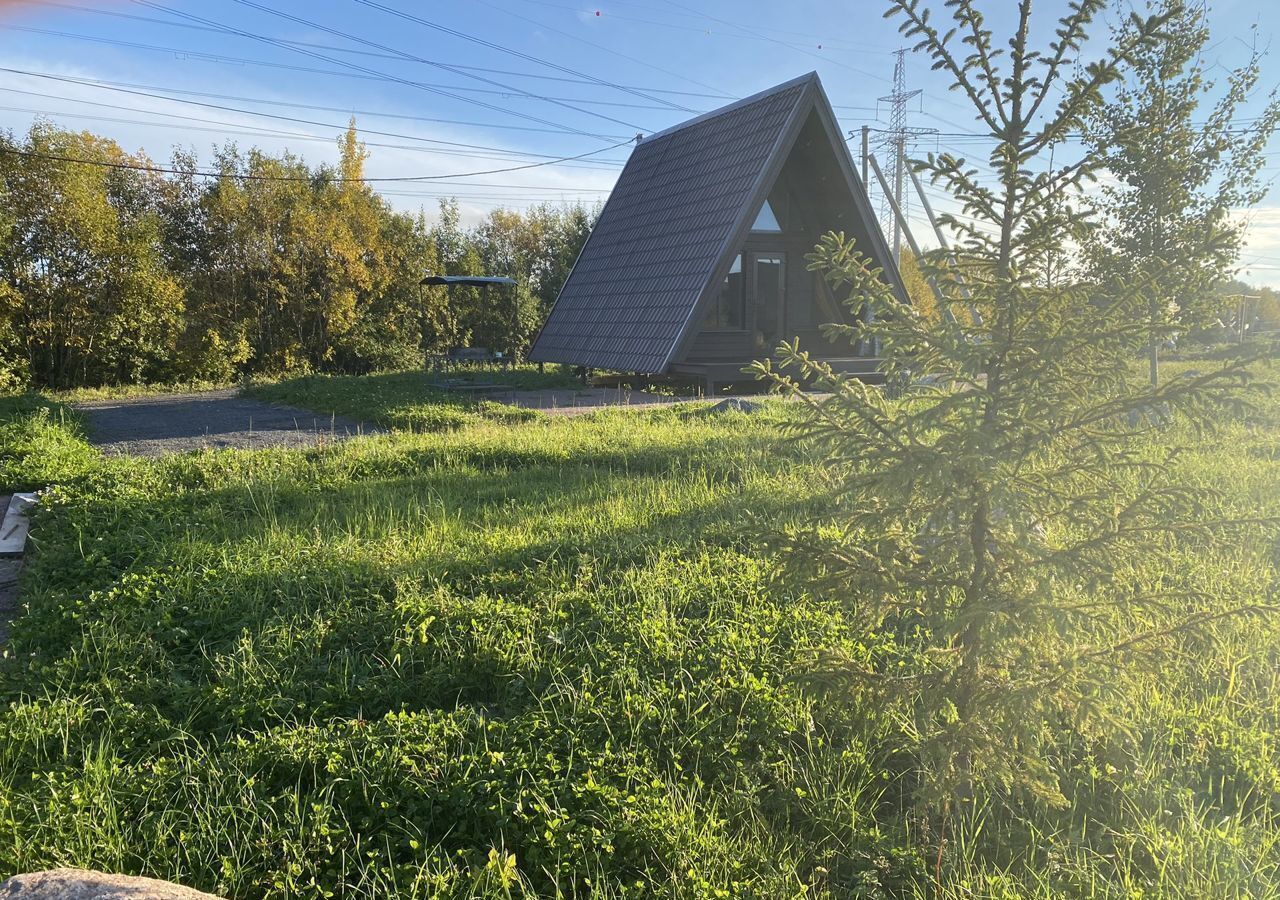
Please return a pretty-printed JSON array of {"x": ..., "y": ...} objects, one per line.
[
  {"x": 551, "y": 659},
  {"x": 281, "y": 674},
  {"x": 41, "y": 441}
]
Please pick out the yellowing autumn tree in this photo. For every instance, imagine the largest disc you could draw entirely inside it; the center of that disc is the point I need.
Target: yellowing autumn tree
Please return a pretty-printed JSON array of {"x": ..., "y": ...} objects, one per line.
[{"x": 89, "y": 299}]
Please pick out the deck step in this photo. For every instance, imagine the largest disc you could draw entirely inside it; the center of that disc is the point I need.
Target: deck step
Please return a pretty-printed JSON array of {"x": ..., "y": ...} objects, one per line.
[{"x": 16, "y": 524}]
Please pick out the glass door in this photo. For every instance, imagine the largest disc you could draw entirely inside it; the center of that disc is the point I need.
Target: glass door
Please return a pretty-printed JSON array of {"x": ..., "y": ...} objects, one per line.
[{"x": 769, "y": 292}]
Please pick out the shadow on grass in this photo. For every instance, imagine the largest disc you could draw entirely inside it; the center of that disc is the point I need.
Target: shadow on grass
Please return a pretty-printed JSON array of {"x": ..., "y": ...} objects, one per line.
[
  {"x": 253, "y": 605},
  {"x": 414, "y": 401}
]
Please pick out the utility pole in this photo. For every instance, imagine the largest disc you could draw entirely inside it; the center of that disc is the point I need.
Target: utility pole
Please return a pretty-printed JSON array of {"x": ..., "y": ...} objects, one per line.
[
  {"x": 895, "y": 140},
  {"x": 866, "y": 156}
]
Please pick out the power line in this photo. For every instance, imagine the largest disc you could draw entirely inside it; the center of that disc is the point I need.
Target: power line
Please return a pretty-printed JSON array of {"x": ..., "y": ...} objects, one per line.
[
  {"x": 224, "y": 108},
  {"x": 371, "y": 53},
  {"x": 721, "y": 95},
  {"x": 848, "y": 46},
  {"x": 790, "y": 46},
  {"x": 115, "y": 120},
  {"x": 520, "y": 54},
  {"x": 356, "y": 67},
  {"x": 354, "y": 111},
  {"x": 243, "y": 61},
  {"x": 526, "y": 187},
  {"x": 223, "y": 129},
  {"x": 718, "y": 95},
  {"x": 757, "y": 33},
  {"x": 944, "y": 121},
  {"x": 362, "y": 75},
  {"x": 445, "y": 66},
  {"x": 249, "y": 176},
  {"x": 546, "y": 197},
  {"x": 1238, "y": 126},
  {"x": 517, "y": 53}
]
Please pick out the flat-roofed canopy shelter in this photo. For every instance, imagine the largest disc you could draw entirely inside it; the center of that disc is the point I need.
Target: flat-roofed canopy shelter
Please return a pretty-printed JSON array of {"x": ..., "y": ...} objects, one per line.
[
  {"x": 483, "y": 282},
  {"x": 696, "y": 265}
]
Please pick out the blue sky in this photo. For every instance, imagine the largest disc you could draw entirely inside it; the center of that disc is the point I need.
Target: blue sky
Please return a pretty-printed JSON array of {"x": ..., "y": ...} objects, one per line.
[{"x": 489, "y": 84}]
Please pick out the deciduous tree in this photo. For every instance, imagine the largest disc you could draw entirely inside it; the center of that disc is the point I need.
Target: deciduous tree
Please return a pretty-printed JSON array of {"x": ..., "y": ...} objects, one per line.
[
  {"x": 1176, "y": 186},
  {"x": 110, "y": 271},
  {"x": 91, "y": 298}
]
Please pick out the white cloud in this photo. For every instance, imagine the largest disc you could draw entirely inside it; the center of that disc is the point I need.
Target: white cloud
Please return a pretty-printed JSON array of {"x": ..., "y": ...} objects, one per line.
[{"x": 1260, "y": 260}]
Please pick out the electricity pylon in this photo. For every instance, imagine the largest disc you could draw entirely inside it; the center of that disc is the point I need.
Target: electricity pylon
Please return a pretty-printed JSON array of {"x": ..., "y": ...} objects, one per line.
[{"x": 894, "y": 140}]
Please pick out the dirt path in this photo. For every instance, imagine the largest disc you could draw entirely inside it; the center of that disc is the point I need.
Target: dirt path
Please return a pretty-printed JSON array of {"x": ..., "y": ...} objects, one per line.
[{"x": 173, "y": 423}]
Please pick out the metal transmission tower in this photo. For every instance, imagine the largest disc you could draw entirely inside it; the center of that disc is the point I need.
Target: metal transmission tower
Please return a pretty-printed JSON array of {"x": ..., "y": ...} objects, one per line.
[{"x": 894, "y": 141}]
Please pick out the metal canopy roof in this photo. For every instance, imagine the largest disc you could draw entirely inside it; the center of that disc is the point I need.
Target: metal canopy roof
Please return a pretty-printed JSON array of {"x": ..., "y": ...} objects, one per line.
[
  {"x": 678, "y": 213},
  {"x": 469, "y": 280}
]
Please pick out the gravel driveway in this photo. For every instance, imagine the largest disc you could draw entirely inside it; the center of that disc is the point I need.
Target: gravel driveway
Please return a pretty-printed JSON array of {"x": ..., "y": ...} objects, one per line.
[{"x": 173, "y": 423}]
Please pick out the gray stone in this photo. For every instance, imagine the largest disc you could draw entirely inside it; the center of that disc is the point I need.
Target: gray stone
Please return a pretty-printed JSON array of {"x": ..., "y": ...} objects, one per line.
[
  {"x": 736, "y": 404},
  {"x": 82, "y": 884},
  {"x": 1150, "y": 415}
]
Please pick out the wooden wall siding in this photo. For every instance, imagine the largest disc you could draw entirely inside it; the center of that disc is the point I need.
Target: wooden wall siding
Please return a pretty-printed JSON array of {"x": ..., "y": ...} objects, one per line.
[
  {"x": 720, "y": 346},
  {"x": 711, "y": 347}
]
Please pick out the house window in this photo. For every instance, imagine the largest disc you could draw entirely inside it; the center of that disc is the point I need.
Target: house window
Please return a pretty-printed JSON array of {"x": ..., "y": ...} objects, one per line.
[
  {"x": 770, "y": 296},
  {"x": 728, "y": 304},
  {"x": 804, "y": 313},
  {"x": 767, "y": 220}
]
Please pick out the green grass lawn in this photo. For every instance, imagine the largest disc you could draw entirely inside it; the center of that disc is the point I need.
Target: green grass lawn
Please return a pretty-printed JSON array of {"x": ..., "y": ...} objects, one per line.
[
  {"x": 41, "y": 442},
  {"x": 548, "y": 658}
]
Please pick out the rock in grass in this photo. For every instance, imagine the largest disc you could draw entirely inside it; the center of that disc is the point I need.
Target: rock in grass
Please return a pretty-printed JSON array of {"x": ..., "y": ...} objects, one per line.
[
  {"x": 82, "y": 884},
  {"x": 736, "y": 404}
]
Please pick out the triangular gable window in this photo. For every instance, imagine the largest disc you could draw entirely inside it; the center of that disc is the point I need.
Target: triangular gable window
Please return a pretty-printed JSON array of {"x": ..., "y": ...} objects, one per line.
[{"x": 766, "y": 221}]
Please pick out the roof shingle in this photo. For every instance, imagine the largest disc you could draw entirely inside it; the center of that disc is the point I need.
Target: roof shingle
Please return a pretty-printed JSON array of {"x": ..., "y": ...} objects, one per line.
[{"x": 661, "y": 235}]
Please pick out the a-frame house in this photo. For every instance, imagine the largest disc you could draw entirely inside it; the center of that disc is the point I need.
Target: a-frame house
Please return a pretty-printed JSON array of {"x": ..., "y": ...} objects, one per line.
[{"x": 696, "y": 266}]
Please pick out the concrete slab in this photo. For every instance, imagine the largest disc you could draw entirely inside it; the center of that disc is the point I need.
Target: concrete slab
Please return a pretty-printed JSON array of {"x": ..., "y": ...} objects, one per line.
[{"x": 14, "y": 528}]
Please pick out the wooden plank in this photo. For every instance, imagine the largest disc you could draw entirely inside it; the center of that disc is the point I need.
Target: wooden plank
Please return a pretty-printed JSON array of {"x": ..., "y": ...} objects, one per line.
[{"x": 13, "y": 531}]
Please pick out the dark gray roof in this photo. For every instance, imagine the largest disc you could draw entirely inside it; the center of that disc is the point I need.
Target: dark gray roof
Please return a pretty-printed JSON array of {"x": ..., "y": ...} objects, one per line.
[
  {"x": 660, "y": 235},
  {"x": 683, "y": 196}
]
